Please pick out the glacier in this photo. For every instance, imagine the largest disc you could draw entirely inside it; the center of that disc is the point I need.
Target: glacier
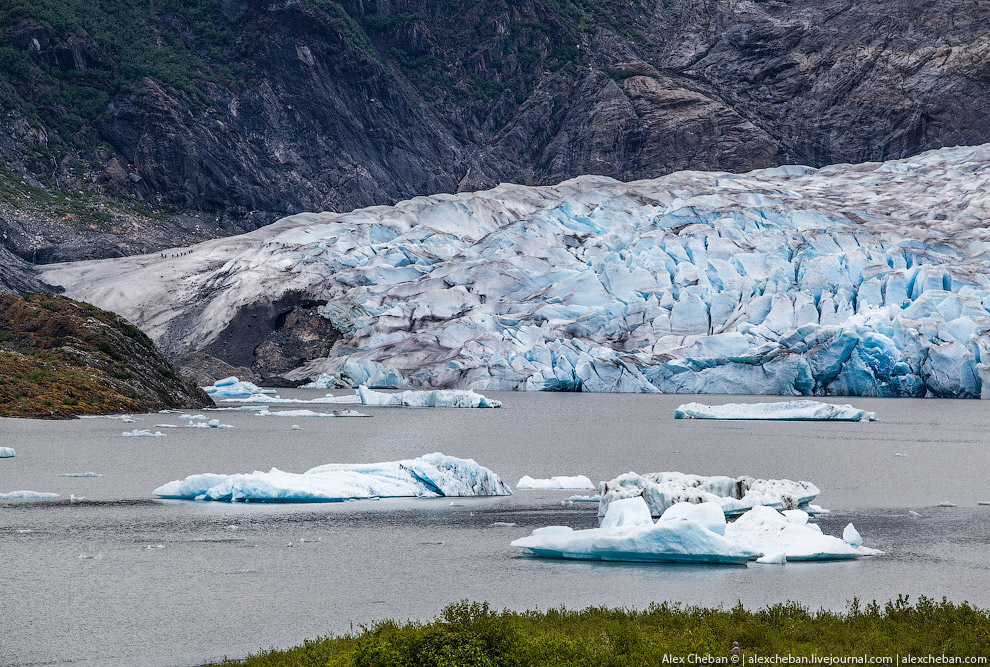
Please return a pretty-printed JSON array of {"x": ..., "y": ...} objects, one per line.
[
  {"x": 7, "y": 453},
  {"x": 734, "y": 495},
  {"x": 870, "y": 279},
  {"x": 782, "y": 410},
  {"x": 690, "y": 533},
  {"x": 432, "y": 475},
  {"x": 555, "y": 483}
]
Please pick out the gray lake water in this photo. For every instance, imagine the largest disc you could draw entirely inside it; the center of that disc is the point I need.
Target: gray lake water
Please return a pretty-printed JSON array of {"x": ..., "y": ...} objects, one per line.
[{"x": 123, "y": 579}]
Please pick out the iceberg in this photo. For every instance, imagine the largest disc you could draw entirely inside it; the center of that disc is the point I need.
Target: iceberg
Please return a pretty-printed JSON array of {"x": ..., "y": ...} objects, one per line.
[
  {"x": 436, "y": 398},
  {"x": 27, "y": 495},
  {"x": 309, "y": 413},
  {"x": 81, "y": 474},
  {"x": 782, "y": 410},
  {"x": 691, "y": 533},
  {"x": 7, "y": 453},
  {"x": 213, "y": 423},
  {"x": 734, "y": 495},
  {"x": 430, "y": 476},
  {"x": 142, "y": 433},
  {"x": 868, "y": 280},
  {"x": 559, "y": 482},
  {"x": 231, "y": 387}
]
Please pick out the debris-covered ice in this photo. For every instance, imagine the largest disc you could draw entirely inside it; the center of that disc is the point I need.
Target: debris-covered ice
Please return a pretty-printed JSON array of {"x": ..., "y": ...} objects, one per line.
[
  {"x": 733, "y": 494},
  {"x": 692, "y": 533},
  {"x": 781, "y": 410},
  {"x": 427, "y": 476},
  {"x": 870, "y": 279},
  {"x": 557, "y": 482}
]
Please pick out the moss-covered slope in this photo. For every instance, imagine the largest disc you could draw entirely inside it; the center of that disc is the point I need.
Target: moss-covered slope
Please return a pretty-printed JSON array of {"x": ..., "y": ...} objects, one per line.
[{"x": 60, "y": 358}]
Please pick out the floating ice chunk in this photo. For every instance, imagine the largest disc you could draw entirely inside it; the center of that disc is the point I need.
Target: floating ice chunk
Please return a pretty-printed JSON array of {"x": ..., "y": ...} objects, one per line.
[
  {"x": 913, "y": 513},
  {"x": 558, "y": 482},
  {"x": 503, "y": 524},
  {"x": 80, "y": 474},
  {"x": 783, "y": 411},
  {"x": 898, "y": 454},
  {"x": 192, "y": 417},
  {"x": 434, "y": 398},
  {"x": 142, "y": 433},
  {"x": 27, "y": 495},
  {"x": 127, "y": 419},
  {"x": 709, "y": 515},
  {"x": 90, "y": 556},
  {"x": 231, "y": 387},
  {"x": 7, "y": 453},
  {"x": 816, "y": 509},
  {"x": 734, "y": 494},
  {"x": 582, "y": 499},
  {"x": 797, "y": 516},
  {"x": 983, "y": 502},
  {"x": 766, "y": 530},
  {"x": 213, "y": 423},
  {"x": 310, "y": 413},
  {"x": 76, "y": 499},
  {"x": 296, "y": 427},
  {"x": 776, "y": 558},
  {"x": 851, "y": 536},
  {"x": 427, "y": 476},
  {"x": 946, "y": 503}
]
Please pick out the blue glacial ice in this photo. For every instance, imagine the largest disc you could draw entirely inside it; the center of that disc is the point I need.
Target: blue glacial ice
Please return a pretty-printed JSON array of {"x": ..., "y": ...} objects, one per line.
[
  {"x": 231, "y": 387},
  {"x": 7, "y": 453},
  {"x": 781, "y": 410},
  {"x": 734, "y": 495},
  {"x": 691, "y": 533},
  {"x": 556, "y": 482},
  {"x": 870, "y": 279},
  {"x": 429, "y": 476}
]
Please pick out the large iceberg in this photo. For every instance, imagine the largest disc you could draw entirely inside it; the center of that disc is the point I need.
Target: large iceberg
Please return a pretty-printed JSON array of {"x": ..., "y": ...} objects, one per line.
[
  {"x": 7, "y": 453},
  {"x": 690, "y": 533},
  {"x": 432, "y": 475},
  {"x": 734, "y": 495},
  {"x": 436, "y": 398},
  {"x": 781, "y": 410},
  {"x": 870, "y": 279},
  {"x": 231, "y": 387}
]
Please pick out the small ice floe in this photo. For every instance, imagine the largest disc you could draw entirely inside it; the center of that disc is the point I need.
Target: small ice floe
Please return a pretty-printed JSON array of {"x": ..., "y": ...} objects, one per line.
[
  {"x": 142, "y": 433},
  {"x": 502, "y": 524},
  {"x": 80, "y": 474},
  {"x": 265, "y": 412},
  {"x": 555, "y": 483},
  {"x": 27, "y": 495},
  {"x": 776, "y": 558},
  {"x": 90, "y": 556},
  {"x": 946, "y": 503},
  {"x": 691, "y": 532},
  {"x": 231, "y": 387},
  {"x": 296, "y": 427},
  {"x": 900, "y": 455},
  {"x": 154, "y": 546},
  {"x": 983, "y": 502},
  {"x": 851, "y": 536},
  {"x": 816, "y": 509},
  {"x": 781, "y": 410},
  {"x": 127, "y": 419},
  {"x": 24, "y": 531},
  {"x": 581, "y": 499},
  {"x": 428, "y": 476},
  {"x": 913, "y": 513},
  {"x": 7, "y": 453},
  {"x": 232, "y": 527},
  {"x": 192, "y": 417},
  {"x": 213, "y": 423},
  {"x": 76, "y": 499},
  {"x": 310, "y": 540}
]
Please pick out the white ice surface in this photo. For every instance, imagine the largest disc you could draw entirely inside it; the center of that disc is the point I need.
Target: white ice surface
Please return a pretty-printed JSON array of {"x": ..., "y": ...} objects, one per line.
[
  {"x": 232, "y": 387},
  {"x": 869, "y": 279},
  {"x": 557, "y": 482},
  {"x": 7, "y": 453},
  {"x": 142, "y": 433},
  {"x": 310, "y": 413},
  {"x": 733, "y": 494},
  {"x": 30, "y": 495},
  {"x": 767, "y": 530},
  {"x": 781, "y": 410},
  {"x": 434, "y": 398},
  {"x": 427, "y": 476}
]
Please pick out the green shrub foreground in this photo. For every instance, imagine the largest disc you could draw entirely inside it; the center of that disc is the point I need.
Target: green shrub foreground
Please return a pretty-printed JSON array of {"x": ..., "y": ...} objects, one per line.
[{"x": 473, "y": 635}]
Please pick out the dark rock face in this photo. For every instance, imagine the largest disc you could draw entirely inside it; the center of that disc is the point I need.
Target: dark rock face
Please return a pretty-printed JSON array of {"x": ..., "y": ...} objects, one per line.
[
  {"x": 322, "y": 106},
  {"x": 300, "y": 335}
]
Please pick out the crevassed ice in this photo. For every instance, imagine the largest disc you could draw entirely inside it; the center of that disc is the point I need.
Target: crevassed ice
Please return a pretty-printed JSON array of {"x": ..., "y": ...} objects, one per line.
[
  {"x": 690, "y": 533},
  {"x": 869, "y": 279},
  {"x": 426, "y": 476},
  {"x": 781, "y": 410},
  {"x": 734, "y": 495}
]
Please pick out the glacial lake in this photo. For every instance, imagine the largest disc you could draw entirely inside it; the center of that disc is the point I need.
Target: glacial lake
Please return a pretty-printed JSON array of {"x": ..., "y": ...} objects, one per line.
[{"x": 121, "y": 578}]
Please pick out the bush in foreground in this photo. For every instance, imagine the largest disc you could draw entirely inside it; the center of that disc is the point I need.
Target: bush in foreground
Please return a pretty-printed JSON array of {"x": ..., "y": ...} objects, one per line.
[{"x": 472, "y": 635}]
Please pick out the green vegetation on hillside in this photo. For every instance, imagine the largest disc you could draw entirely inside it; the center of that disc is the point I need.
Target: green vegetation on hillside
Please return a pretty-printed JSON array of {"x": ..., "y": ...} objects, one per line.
[{"x": 472, "y": 635}]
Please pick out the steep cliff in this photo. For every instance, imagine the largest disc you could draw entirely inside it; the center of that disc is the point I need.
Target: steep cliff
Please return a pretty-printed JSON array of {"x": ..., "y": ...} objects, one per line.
[{"x": 130, "y": 127}]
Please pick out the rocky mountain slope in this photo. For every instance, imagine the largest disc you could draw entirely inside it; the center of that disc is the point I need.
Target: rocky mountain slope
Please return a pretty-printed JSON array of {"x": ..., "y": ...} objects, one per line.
[
  {"x": 60, "y": 358},
  {"x": 867, "y": 279},
  {"x": 131, "y": 127}
]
